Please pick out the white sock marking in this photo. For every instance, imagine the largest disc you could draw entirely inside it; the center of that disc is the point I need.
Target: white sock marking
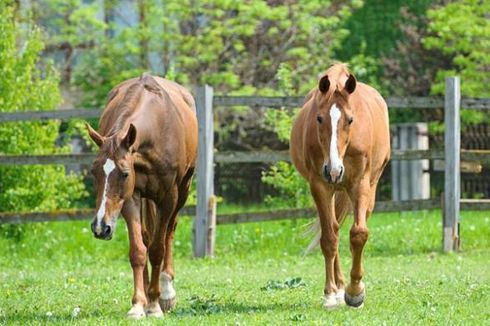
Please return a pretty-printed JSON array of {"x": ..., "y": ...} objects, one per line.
[
  {"x": 166, "y": 287},
  {"x": 109, "y": 166},
  {"x": 336, "y": 163}
]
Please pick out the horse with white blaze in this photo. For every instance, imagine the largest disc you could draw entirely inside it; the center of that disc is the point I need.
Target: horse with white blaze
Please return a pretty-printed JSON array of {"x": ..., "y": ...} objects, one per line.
[
  {"x": 340, "y": 143},
  {"x": 147, "y": 142}
]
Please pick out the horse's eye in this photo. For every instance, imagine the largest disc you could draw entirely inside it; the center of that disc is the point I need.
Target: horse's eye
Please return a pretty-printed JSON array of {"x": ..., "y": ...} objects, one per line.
[
  {"x": 319, "y": 119},
  {"x": 125, "y": 175},
  {"x": 350, "y": 120}
]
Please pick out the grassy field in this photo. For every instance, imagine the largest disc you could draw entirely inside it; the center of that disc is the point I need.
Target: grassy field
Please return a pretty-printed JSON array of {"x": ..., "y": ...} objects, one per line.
[{"x": 58, "y": 273}]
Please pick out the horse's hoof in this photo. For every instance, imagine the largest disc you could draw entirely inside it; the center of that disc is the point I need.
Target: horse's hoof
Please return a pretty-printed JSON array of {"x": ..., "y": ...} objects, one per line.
[
  {"x": 330, "y": 301},
  {"x": 153, "y": 310},
  {"x": 136, "y": 312},
  {"x": 167, "y": 304},
  {"x": 355, "y": 301},
  {"x": 168, "y": 294}
]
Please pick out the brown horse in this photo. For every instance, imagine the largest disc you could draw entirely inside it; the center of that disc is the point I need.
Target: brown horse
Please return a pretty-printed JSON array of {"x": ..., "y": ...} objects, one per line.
[
  {"x": 340, "y": 144},
  {"x": 148, "y": 148}
]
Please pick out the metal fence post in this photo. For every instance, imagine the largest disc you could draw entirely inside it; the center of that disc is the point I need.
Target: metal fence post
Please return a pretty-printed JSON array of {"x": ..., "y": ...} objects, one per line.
[
  {"x": 452, "y": 142},
  {"x": 204, "y": 223}
]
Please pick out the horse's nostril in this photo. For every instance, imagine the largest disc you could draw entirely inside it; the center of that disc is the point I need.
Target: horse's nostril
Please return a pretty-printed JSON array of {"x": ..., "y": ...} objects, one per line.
[
  {"x": 326, "y": 171},
  {"x": 107, "y": 231},
  {"x": 92, "y": 226}
]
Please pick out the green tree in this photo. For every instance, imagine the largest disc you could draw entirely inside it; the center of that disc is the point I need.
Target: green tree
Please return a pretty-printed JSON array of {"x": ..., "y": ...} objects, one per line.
[
  {"x": 461, "y": 30},
  {"x": 29, "y": 84}
]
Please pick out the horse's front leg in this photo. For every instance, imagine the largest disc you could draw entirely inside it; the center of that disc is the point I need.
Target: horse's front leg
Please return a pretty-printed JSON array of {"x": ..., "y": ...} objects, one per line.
[
  {"x": 157, "y": 251},
  {"x": 361, "y": 197},
  {"x": 137, "y": 257},
  {"x": 329, "y": 241}
]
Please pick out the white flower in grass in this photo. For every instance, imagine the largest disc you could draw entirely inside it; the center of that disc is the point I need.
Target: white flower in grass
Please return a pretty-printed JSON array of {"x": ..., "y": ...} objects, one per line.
[
  {"x": 75, "y": 312},
  {"x": 49, "y": 314}
]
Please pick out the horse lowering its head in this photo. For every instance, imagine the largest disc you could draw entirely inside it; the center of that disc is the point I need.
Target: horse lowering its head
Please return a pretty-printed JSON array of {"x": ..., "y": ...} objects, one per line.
[
  {"x": 114, "y": 178},
  {"x": 340, "y": 144},
  {"x": 147, "y": 141},
  {"x": 334, "y": 120}
]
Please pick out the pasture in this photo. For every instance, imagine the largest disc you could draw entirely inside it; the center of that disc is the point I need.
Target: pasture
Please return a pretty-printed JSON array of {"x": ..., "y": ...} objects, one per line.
[{"x": 58, "y": 273}]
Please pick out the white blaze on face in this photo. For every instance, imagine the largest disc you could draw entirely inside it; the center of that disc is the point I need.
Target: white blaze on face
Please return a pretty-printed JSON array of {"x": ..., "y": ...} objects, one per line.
[
  {"x": 109, "y": 166},
  {"x": 335, "y": 161}
]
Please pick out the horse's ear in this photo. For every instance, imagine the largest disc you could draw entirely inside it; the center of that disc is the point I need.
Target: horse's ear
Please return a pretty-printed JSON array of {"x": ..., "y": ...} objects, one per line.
[
  {"x": 96, "y": 137},
  {"x": 324, "y": 84},
  {"x": 350, "y": 84},
  {"x": 130, "y": 137}
]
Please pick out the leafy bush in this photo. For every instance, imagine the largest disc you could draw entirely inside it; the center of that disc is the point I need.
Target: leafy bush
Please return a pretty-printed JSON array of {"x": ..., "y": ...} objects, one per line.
[{"x": 25, "y": 86}]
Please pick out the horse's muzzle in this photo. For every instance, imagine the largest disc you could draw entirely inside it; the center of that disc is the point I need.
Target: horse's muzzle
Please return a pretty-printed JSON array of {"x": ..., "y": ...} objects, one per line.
[
  {"x": 103, "y": 232},
  {"x": 331, "y": 177}
]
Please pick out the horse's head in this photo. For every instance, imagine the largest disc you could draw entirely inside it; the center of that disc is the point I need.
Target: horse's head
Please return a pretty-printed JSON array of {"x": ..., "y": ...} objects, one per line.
[
  {"x": 334, "y": 123},
  {"x": 114, "y": 178}
]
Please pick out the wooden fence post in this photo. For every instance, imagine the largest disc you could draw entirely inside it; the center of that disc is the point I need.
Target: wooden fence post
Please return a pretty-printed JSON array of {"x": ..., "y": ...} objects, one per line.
[
  {"x": 205, "y": 221},
  {"x": 452, "y": 141}
]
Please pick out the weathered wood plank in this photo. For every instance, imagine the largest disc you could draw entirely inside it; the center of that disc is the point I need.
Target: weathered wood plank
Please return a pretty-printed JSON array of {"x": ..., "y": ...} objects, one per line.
[
  {"x": 482, "y": 156},
  {"x": 254, "y": 101},
  {"x": 272, "y": 215},
  {"x": 475, "y": 204},
  {"x": 85, "y": 158},
  {"x": 64, "y": 215},
  {"x": 49, "y": 115},
  {"x": 452, "y": 141},
  {"x": 415, "y": 102},
  {"x": 252, "y": 157},
  {"x": 205, "y": 172},
  {"x": 475, "y": 103},
  {"x": 262, "y": 101}
]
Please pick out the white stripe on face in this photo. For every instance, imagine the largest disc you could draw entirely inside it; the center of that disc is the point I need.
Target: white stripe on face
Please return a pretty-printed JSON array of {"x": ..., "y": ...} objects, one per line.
[
  {"x": 109, "y": 166},
  {"x": 335, "y": 161}
]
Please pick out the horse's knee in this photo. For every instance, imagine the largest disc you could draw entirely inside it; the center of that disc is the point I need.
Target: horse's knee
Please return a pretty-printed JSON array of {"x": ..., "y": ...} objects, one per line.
[
  {"x": 137, "y": 257},
  {"x": 329, "y": 246},
  {"x": 358, "y": 236}
]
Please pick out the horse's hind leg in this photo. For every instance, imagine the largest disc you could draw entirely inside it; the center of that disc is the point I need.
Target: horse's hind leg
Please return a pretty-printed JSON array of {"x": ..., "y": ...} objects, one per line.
[
  {"x": 324, "y": 200},
  {"x": 168, "y": 294},
  {"x": 361, "y": 197},
  {"x": 157, "y": 251}
]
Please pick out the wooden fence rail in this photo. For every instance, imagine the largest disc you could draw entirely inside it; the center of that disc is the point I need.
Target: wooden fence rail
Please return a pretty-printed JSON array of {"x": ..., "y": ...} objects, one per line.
[
  {"x": 248, "y": 217},
  {"x": 482, "y": 156},
  {"x": 254, "y": 101},
  {"x": 204, "y": 223}
]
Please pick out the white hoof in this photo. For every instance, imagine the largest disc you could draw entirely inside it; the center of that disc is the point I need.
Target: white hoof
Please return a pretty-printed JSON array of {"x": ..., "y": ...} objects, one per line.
[
  {"x": 153, "y": 310},
  {"x": 136, "y": 312},
  {"x": 167, "y": 304},
  {"x": 340, "y": 297},
  {"x": 168, "y": 294},
  {"x": 330, "y": 301}
]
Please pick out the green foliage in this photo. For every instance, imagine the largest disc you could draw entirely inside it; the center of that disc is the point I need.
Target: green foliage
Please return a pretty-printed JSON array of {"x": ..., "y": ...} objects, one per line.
[
  {"x": 24, "y": 86},
  {"x": 461, "y": 30},
  {"x": 226, "y": 44},
  {"x": 375, "y": 25},
  {"x": 293, "y": 190}
]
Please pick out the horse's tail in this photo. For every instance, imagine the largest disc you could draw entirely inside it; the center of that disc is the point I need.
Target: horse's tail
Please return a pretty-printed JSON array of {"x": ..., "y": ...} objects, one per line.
[
  {"x": 342, "y": 207},
  {"x": 148, "y": 219}
]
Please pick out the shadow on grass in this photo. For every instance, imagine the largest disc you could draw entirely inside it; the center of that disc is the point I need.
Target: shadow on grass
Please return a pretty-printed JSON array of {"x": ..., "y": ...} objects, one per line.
[{"x": 233, "y": 308}]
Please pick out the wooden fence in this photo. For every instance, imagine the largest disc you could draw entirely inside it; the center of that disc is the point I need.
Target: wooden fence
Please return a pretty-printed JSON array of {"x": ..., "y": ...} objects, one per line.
[{"x": 205, "y": 220}]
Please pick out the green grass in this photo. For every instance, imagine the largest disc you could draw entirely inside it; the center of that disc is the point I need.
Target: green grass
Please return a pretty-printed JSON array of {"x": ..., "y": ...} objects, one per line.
[{"x": 57, "y": 267}]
